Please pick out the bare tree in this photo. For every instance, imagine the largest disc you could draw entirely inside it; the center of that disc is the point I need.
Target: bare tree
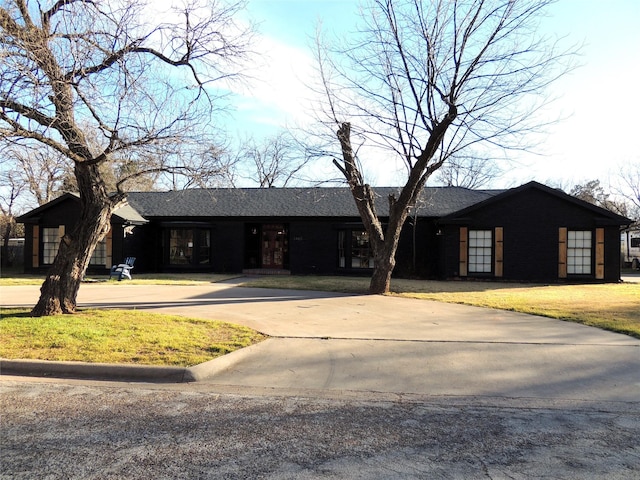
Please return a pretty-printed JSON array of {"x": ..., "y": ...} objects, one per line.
[
  {"x": 204, "y": 166},
  {"x": 594, "y": 193},
  {"x": 137, "y": 171},
  {"x": 276, "y": 161},
  {"x": 72, "y": 69},
  {"x": 468, "y": 172},
  {"x": 424, "y": 81},
  {"x": 628, "y": 188},
  {"x": 13, "y": 186},
  {"x": 41, "y": 169}
]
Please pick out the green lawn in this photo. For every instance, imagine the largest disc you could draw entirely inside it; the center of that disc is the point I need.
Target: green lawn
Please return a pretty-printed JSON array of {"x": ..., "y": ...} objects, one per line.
[{"x": 119, "y": 336}]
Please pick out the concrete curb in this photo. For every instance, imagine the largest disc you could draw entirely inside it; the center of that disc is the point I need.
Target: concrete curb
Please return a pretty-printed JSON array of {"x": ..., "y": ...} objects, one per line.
[
  {"x": 123, "y": 372},
  {"x": 209, "y": 369},
  {"x": 97, "y": 371}
]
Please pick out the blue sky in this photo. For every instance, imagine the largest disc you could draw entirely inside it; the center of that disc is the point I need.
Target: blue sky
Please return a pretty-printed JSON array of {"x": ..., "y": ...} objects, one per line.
[{"x": 599, "y": 101}]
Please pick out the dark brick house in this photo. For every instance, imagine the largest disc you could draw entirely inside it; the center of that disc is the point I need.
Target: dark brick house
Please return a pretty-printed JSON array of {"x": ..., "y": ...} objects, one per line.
[{"x": 529, "y": 233}]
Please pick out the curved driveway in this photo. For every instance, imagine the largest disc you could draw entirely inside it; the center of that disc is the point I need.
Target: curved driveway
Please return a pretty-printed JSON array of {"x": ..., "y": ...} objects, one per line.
[{"x": 344, "y": 343}]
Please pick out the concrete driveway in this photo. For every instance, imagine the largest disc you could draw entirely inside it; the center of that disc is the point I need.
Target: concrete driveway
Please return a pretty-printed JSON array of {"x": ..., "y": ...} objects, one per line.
[{"x": 336, "y": 342}]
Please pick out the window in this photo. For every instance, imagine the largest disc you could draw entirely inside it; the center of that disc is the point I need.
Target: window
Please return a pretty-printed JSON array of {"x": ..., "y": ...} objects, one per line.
[
  {"x": 180, "y": 246},
  {"x": 342, "y": 256},
  {"x": 189, "y": 246},
  {"x": 361, "y": 256},
  {"x": 50, "y": 243},
  {"x": 354, "y": 249},
  {"x": 204, "y": 248},
  {"x": 579, "y": 252},
  {"x": 480, "y": 251},
  {"x": 99, "y": 256}
]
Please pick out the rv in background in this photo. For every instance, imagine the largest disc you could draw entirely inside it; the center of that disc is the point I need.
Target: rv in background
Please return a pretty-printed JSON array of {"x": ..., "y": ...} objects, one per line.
[{"x": 630, "y": 248}]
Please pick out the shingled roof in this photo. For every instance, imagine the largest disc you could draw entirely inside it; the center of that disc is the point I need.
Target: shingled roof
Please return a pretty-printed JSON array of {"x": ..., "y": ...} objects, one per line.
[
  {"x": 126, "y": 213},
  {"x": 291, "y": 202}
]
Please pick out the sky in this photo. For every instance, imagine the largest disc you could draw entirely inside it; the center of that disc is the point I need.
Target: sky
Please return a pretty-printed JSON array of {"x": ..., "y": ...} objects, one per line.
[{"x": 597, "y": 104}]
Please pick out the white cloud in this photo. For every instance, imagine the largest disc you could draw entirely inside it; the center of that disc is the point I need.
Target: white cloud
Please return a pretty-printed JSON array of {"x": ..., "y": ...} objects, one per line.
[{"x": 277, "y": 92}]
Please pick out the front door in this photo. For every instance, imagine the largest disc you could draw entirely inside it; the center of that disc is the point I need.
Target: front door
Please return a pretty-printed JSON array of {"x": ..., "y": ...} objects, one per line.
[{"x": 273, "y": 245}]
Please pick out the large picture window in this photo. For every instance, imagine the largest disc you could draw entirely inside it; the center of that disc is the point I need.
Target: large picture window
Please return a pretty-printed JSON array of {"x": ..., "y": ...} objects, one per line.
[
  {"x": 480, "y": 251},
  {"x": 579, "y": 252},
  {"x": 50, "y": 244},
  {"x": 189, "y": 246}
]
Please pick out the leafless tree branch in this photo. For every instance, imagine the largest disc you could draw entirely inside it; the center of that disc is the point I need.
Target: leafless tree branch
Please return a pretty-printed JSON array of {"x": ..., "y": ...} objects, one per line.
[
  {"x": 426, "y": 81},
  {"x": 98, "y": 80}
]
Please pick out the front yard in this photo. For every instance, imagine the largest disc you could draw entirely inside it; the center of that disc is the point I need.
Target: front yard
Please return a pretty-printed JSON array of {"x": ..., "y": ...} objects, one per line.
[{"x": 115, "y": 336}]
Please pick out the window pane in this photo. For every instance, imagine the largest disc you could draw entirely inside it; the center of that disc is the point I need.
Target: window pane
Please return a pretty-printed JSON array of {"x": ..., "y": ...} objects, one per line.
[
  {"x": 361, "y": 256},
  {"x": 342, "y": 261},
  {"x": 50, "y": 243},
  {"x": 204, "y": 254},
  {"x": 99, "y": 256},
  {"x": 480, "y": 251},
  {"x": 180, "y": 246},
  {"x": 579, "y": 252}
]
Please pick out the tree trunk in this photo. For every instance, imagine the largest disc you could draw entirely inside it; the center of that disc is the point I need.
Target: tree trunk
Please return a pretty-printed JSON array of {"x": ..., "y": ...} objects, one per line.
[
  {"x": 60, "y": 289},
  {"x": 384, "y": 255},
  {"x": 4, "y": 256},
  {"x": 383, "y": 243},
  {"x": 381, "y": 278}
]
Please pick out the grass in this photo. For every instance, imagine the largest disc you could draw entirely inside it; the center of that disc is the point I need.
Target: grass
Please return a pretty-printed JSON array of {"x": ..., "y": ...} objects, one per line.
[
  {"x": 614, "y": 307},
  {"x": 119, "y": 336},
  {"x": 166, "y": 279},
  {"x": 357, "y": 285},
  {"x": 138, "y": 279},
  {"x": 18, "y": 280}
]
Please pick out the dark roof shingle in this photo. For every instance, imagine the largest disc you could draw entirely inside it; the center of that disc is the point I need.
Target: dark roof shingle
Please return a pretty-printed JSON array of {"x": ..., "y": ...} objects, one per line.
[{"x": 291, "y": 202}]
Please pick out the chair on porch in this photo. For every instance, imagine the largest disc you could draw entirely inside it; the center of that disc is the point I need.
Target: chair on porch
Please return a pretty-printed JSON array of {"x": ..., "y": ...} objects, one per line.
[{"x": 123, "y": 269}]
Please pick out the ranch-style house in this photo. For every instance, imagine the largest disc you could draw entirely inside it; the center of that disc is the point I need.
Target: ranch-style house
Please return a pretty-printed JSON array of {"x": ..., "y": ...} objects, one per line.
[{"x": 530, "y": 233}]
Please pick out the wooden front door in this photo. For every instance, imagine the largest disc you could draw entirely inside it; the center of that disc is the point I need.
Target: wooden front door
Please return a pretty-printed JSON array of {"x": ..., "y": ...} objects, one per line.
[{"x": 273, "y": 245}]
